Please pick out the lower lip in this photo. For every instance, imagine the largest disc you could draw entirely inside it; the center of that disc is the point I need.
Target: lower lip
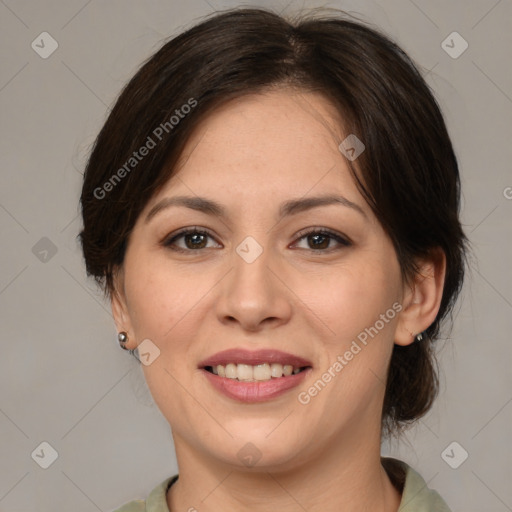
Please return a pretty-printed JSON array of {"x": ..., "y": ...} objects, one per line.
[{"x": 250, "y": 392}]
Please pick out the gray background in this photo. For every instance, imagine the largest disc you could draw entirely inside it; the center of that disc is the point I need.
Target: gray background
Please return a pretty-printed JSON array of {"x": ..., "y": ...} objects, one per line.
[{"x": 63, "y": 378}]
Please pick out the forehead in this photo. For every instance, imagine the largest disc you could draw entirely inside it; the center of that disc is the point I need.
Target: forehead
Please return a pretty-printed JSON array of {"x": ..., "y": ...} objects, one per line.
[
  {"x": 269, "y": 125},
  {"x": 278, "y": 142}
]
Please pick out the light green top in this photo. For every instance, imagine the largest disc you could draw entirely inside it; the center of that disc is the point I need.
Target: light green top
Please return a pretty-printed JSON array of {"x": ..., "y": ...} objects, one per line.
[{"x": 416, "y": 496}]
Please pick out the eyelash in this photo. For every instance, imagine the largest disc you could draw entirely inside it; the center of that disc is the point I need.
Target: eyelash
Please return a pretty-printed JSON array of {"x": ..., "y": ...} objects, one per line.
[{"x": 342, "y": 240}]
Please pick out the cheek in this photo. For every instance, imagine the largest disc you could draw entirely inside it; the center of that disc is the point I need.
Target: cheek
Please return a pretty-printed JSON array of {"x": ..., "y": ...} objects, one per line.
[
  {"x": 351, "y": 298},
  {"x": 358, "y": 307},
  {"x": 162, "y": 300},
  {"x": 167, "y": 307}
]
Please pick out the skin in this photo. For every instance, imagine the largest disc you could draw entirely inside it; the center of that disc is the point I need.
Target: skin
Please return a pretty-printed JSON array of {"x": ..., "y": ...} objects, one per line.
[{"x": 251, "y": 155}]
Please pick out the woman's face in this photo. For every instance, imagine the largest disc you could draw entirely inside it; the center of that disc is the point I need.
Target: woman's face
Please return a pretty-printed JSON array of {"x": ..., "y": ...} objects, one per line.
[{"x": 314, "y": 285}]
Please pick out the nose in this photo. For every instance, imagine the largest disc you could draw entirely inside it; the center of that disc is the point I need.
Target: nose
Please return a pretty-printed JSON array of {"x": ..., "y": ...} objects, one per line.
[{"x": 252, "y": 295}]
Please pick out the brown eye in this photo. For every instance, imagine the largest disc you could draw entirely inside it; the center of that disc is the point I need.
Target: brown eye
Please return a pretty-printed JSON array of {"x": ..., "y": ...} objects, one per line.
[
  {"x": 192, "y": 239},
  {"x": 322, "y": 240},
  {"x": 195, "y": 240},
  {"x": 319, "y": 241}
]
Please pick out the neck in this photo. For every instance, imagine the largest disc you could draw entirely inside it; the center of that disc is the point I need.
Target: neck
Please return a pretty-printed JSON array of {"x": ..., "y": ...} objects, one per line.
[{"x": 345, "y": 475}]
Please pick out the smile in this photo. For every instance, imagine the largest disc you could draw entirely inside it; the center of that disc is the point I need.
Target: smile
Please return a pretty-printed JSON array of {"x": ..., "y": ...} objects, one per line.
[{"x": 254, "y": 376}]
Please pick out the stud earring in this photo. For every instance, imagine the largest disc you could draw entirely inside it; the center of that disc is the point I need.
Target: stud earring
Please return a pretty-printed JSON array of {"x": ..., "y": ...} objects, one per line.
[
  {"x": 122, "y": 338},
  {"x": 418, "y": 337}
]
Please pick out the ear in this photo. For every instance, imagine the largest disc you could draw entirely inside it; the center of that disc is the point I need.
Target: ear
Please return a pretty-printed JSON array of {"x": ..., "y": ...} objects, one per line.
[
  {"x": 422, "y": 298},
  {"x": 120, "y": 308}
]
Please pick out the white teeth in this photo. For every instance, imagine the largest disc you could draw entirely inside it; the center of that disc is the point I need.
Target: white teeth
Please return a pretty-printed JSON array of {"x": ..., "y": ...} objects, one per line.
[
  {"x": 262, "y": 372},
  {"x": 245, "y": 372},
  {"x": 276, "y": 370},
  {"x": 231, "y": 371},
  {"x": 287, "y": 370},
  {"x": 249, "y": 373}
]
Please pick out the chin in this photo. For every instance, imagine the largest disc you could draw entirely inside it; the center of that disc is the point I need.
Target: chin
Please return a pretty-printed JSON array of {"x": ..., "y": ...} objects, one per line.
[{"x": 257, "y": 450}]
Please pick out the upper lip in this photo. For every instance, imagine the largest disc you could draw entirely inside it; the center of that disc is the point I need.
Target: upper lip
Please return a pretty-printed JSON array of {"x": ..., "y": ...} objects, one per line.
[{"x": 242, "y": 356}]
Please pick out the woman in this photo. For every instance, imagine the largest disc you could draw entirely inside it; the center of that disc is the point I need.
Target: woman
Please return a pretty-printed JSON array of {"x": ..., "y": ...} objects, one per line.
[{"x": 272, "y": 209}]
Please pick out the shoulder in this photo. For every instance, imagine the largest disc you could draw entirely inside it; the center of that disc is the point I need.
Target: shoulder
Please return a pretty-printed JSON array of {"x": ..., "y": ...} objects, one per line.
[
  {"x": 155, "y": 502},
  {"x": 416, "y": 495}
]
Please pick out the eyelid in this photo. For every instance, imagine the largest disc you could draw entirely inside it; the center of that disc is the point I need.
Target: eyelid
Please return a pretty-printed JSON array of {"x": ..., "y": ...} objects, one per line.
[
  {"x": 166, "y": 242},
  {"x": 340, "y": 238}
]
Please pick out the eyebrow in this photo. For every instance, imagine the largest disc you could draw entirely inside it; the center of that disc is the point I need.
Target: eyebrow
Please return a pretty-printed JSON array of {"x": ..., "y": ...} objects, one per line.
[{"x": 291, "y": 207}]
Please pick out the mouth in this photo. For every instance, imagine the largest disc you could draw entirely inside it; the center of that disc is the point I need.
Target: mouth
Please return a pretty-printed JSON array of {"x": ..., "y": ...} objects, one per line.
[{"x": 254, "y": 376}]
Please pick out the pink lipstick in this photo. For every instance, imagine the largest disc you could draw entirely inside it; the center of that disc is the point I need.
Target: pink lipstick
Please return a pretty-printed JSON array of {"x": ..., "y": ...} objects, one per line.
[{"x": 254, "y": 376}]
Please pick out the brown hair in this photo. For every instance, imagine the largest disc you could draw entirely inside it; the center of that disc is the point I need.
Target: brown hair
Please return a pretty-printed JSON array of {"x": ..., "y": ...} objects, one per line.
[{"x": 408, "y": 173}]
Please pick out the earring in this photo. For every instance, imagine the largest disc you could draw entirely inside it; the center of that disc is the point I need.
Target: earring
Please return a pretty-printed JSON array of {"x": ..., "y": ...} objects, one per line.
[
  {"x": 122, "y": 338},
  {"x": 418, "y": 337}
]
